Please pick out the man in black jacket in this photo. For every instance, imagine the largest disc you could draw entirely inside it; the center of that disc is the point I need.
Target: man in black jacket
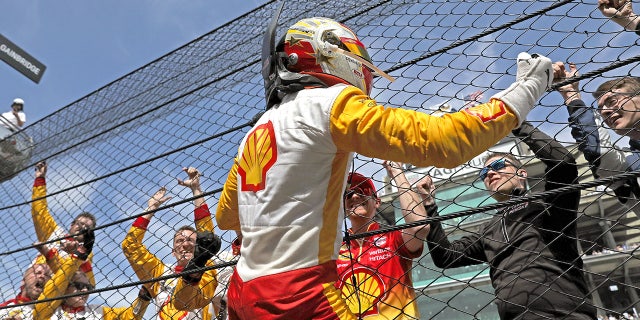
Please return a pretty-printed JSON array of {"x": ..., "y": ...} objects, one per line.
[{"x": 531, "y": 247}]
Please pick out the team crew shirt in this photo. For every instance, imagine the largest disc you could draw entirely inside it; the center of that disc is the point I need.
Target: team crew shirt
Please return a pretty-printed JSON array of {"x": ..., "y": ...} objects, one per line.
[{"x": 381, "y": 265}]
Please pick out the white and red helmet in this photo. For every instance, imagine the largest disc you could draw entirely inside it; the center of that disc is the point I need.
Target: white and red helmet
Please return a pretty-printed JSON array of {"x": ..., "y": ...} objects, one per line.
[{"x": 329, "y": 51}]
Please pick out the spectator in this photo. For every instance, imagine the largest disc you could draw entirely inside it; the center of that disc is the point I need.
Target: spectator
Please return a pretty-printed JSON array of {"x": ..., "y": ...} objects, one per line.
[
  {"x": 147, "y": 266},
  {"x": 284, "y": 190},
  {"x": 46, "y": 227},
  {"x": 618, "y": 104},
  {"x": 70, "y": 280},
  {"x": 620, "y": 12},
  {"x": 530, "y": 247},
  {"x": 387, "y": 292},
  {"x": 31, "y": 287},
  {"x": 9, "y": 148},
  {"x": 192, "y": 294},
  {"x": 16, "y": 117}
]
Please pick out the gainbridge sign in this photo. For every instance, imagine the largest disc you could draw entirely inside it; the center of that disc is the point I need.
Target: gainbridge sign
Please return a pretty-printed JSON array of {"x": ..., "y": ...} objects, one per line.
[{"x": 20, "y": 60}]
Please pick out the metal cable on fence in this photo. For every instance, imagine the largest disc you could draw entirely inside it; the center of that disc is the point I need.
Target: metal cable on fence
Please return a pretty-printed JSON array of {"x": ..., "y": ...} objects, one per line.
[
  {"x": 500, "y": 205},
  {"x": 160, "y": 156},
  {"x": 478, "y": 36}
]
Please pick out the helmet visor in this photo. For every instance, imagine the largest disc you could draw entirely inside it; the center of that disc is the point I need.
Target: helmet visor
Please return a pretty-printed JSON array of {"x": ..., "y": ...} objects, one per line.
[{"x": 356, "y": 47}]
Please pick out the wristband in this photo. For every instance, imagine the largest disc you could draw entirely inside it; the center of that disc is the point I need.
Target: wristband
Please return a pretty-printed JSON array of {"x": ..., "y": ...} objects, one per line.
[{"x": 50, "y": 254}]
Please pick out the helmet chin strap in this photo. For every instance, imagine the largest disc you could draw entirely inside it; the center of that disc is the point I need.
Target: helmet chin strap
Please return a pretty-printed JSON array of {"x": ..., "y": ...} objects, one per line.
[{"x": 333, "y": 48}]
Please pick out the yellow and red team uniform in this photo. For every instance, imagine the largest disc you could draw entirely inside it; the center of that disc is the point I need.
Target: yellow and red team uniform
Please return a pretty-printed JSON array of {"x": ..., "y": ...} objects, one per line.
[
  {"x": 54, "y": 310},
  {"x": 381, "y": 267},
  {"x": 24, "y": 311},
  {"x": 284, "y": 191},
  {"x": 147, "y": 266},
  {"x": 47, "y": 229}
]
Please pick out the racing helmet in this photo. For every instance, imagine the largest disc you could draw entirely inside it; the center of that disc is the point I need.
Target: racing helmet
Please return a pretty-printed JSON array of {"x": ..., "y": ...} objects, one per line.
[{"x": 328, "y": 51}]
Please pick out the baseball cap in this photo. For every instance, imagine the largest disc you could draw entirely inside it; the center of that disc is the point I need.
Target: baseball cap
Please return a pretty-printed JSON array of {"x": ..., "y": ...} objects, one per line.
[
  {"x": 360, "y": 184},
  {"x": 18, "y": 101}
]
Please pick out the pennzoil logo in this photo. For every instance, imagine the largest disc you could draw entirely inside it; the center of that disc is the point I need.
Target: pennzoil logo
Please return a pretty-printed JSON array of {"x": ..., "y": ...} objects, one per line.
[
  {"x": 259, "y": 154},
  {"x": 486, "y": 112},
  {"x": 362, "y": 289}
]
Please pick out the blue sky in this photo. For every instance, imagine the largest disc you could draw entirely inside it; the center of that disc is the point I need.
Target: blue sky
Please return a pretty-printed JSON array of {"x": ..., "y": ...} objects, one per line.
[{"x": 87, "y": 44}]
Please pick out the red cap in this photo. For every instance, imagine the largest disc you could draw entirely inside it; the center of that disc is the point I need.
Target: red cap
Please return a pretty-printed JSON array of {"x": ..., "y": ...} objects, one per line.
[{"x": 360, "y": 184}]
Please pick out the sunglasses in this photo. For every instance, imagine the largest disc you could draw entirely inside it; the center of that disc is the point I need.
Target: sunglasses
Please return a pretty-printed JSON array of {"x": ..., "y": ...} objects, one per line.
[
  {"x": 81, "y": 285},
  {"x": 614, "y": 98},
  {"x": 495, "y": 166},
  {"x": 356, "y": 191}
]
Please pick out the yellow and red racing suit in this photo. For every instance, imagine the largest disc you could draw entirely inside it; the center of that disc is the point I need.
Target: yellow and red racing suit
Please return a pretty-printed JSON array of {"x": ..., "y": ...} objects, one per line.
[
  {"x": 57, "y": 286},
  {"x": 147, "y": 266},
  {"x": 47, "y": 229}
]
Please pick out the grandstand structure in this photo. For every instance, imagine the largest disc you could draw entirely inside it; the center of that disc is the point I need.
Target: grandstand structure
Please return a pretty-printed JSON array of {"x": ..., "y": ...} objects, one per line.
[{"x": 110, "y": 150}]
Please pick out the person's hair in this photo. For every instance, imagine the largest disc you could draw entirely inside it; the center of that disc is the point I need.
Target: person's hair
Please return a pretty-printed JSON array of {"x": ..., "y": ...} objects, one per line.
[
  {"x": 32, "y": 268},
  {"x": 631, "y": 83},
  {"x": 508, "y": 156},
  {"x": 185, "y": 227},
  {"x": 88, "y": 216}
]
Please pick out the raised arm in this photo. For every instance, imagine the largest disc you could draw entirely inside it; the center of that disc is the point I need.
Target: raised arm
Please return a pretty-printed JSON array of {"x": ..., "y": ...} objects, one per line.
[
  {"x": 45, "y": 226},
  {"x": 145, "y": 264},
  {"x": 202, "y": 215},
  {"x": 561, "y": 169},
  {"x": 43, "y": 222},
  {"x": 411, "y": 206},
  {"x": 358, "y": 124},
  {"x": 561, "y": 165},
  {"x": 620, "y": 12},
  {"x": 193, "y": 183},
  {"x": 586, "y": 126},
  {"x": 445, "y": 254}
]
